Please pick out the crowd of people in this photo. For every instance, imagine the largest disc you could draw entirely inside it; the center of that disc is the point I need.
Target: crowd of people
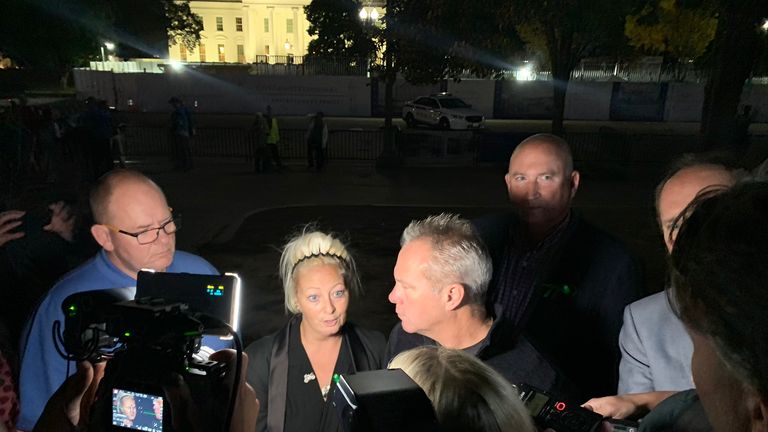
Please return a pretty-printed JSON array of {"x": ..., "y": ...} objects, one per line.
[{"x": 536, "y": 295}]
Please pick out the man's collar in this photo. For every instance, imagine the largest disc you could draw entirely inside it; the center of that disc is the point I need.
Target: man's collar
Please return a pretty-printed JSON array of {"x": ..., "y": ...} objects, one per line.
[{"x": 520, "y": 233}]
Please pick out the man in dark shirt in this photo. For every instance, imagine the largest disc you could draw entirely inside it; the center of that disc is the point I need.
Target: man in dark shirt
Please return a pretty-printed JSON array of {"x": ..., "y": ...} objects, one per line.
[
  {"x": 441, "y": 277},
  {"x": 562, "y": 280}
]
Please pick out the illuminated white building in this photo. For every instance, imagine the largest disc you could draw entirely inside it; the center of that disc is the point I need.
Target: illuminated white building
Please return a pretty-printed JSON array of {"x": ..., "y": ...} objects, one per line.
[{"x": 251, "y": 31}]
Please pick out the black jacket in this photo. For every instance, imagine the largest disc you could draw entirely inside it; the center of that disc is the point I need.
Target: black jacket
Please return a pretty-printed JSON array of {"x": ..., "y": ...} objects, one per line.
[
  {"x": 577, "y": 330},
  {"x": 503, "y": 349},
  {"x": 268, "y": 367}
]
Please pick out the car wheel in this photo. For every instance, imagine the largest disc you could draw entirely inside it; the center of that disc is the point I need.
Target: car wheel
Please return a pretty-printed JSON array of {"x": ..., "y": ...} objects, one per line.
[
  {"x": 444, "y": 123},
  {"x": 409, "y": 120}
]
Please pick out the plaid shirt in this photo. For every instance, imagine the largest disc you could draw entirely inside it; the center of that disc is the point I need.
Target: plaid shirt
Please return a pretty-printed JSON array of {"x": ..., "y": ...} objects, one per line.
[{"x": 520, "y": 269}]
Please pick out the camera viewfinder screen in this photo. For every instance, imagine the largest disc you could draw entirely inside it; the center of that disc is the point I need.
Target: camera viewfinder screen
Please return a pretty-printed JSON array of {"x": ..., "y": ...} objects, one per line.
[{"x": 137, "y": 411}]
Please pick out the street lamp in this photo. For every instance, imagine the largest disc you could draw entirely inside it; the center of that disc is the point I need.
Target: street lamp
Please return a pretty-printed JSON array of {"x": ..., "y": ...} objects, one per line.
[
  {"x": 366, "y": 16},
  {"x": 110, "y": 46},
  {"x": 765, "y": 25}
]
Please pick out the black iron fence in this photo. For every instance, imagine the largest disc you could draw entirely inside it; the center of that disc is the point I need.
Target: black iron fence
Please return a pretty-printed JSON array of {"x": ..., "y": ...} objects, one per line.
[
  {"x": 606, "y": 145},
  {"x": 345, "y": 144}
]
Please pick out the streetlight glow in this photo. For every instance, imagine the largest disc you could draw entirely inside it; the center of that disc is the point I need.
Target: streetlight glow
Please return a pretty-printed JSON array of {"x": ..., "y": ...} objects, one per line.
[
  {"x": 363, "y": 14},
  {"x": 110, "y": 46},
  {"x": 374, "y": 14},
  {"x": 765, "y": 25}
]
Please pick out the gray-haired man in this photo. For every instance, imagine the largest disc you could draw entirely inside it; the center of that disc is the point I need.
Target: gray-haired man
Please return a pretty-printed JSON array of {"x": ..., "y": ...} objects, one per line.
[{"x": 441, "y": 277}]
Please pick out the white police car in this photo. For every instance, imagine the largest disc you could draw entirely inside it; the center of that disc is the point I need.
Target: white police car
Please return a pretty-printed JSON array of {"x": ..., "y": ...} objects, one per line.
[{"x": 442, "y": 110}]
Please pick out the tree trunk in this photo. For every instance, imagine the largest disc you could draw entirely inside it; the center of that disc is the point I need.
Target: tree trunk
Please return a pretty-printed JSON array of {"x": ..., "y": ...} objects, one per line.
[
  {"x": 561, "y": 59},
  {"x": 737, "y": 44},
  {"x": 389, "y": 83}
]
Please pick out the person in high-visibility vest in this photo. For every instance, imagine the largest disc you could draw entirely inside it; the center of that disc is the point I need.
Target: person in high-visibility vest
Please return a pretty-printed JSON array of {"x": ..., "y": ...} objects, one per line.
[{"x": 273, "y": 138}]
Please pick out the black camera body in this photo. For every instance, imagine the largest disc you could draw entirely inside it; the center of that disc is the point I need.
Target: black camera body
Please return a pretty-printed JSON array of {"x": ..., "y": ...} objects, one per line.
[
  {"x": 563, "y": 416},
  {"x": 382, "y": 401},
  {"x": 560, "y": 415},
  {"x": 151, "y": 348}
]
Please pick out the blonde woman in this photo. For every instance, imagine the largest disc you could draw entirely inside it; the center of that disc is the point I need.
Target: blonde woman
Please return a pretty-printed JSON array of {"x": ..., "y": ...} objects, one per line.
[
  {"x": 292, "y": 370},
  {"x": 467, "y": 394}
]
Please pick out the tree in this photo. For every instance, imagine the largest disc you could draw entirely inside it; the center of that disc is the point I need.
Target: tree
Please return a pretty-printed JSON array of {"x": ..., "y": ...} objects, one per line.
[
  {"x": 569, "y": 30},
  {"x": 680, "y": 34},
  {"x": 339, "y": 30},
  {"x": 145, "y": 28},
  {"x": 739, "y": 43},
  {"x": 51, "y": 37},
  {"x": 181, "y": 24},
  {"x": 444, "y": 39}
]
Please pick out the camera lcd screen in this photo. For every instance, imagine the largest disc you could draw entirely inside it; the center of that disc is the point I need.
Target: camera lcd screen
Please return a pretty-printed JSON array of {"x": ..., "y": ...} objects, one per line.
[
  {"x": 217, "y": 295},
  {"x": 137, "y": 411}
]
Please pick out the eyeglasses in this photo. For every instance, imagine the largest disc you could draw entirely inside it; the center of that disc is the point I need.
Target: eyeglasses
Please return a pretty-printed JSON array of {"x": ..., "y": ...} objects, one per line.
[{"x": 151, "y": 235}]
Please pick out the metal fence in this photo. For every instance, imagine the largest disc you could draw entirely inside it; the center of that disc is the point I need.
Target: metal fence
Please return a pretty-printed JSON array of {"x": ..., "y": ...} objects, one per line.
[
  {"x": 605, "y": 146},
  {"x": 345, "y": 144},
  {"x": 308, "y": 65}
]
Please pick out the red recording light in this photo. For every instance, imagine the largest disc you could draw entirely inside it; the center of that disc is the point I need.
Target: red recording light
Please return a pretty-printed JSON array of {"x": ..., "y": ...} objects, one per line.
[{"x": 560, "y": 406}]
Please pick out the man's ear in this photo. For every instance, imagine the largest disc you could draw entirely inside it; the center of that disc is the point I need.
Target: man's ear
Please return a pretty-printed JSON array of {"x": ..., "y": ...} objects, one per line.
[
  {"x": 575, "y": 177},
  {"x": 453, "y": 296},
  {"x": 101, "y": 234},
  {"x": 758, "y": 411},
  {"x": 508, "y": 180}
]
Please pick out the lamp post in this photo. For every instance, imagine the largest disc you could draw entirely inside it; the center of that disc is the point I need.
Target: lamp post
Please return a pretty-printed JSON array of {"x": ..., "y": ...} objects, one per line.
[{"x": 109, "y": 46}]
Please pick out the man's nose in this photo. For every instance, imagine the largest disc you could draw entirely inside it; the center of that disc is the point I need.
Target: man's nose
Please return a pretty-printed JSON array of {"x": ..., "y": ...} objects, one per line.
[
  {"x": 393, "y": 297},
  {"x": 533, "y": 190}
]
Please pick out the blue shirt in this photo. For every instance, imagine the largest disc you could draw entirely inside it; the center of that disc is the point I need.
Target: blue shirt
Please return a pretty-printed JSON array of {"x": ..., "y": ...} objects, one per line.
[{"x": 43, "y": 370}]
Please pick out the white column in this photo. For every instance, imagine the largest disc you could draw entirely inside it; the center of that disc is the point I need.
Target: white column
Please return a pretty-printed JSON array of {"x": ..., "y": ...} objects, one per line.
[
  {"x": 273, "y": 29},
  {"x": 297, "y": 49}
]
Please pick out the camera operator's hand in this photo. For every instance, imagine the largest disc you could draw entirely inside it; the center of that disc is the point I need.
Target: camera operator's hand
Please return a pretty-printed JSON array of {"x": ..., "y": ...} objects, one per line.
[
  {"x": 69, "y": 408},
  {"x": 185, "y": 413},
  {"x": 628, "y": 405},
  {"x": 9, "y": 220},
  {"x": 246, "y": 405},
  {"x": 62, "y": 221}
]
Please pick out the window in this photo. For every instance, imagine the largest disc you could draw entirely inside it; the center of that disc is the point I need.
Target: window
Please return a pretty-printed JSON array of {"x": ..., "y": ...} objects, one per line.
[
  {"x": 240, "y": 54},
  {"x": 219, "y": 24},
  {"x": 182, "y": 53},
  {"x": 239, "y": 24},
  {"x": 266, "y": 49},
  {"x": 202, "y": 52},
  {"x": 266, "y": 25},
  {"x": 222, "y": 57},
  {"x": 289, "y": 25}
]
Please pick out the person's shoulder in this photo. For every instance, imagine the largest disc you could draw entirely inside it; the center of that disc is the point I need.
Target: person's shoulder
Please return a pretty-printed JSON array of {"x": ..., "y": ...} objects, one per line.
[
  {"x": 599, "y": 241},
  {"x": 187, "y": 262},
  {"x": 76, "y": 280},
  {"x": 261, "y": 347},
  {"x": 652, "y": 305}
]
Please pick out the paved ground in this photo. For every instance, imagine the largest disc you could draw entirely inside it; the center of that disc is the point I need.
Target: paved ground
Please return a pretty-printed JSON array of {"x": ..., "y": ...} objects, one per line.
[{"x": 238, "y": 220}]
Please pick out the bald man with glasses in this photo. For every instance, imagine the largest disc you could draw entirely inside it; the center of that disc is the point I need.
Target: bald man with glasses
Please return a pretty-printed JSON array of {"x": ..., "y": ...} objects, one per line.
[{"x": 136, "y": 230}]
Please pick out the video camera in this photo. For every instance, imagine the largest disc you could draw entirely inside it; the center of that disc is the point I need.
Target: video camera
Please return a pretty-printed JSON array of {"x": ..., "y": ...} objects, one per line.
[
  {"x": 382, "y": 401},
  {"x": 154, "y": 361}
]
